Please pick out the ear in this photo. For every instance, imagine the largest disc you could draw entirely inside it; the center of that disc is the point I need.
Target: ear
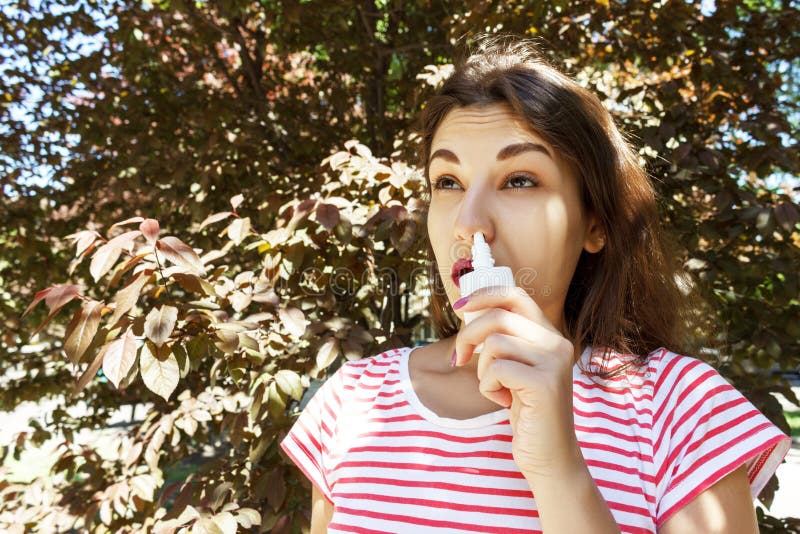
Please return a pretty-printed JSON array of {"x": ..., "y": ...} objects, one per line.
[{"x": 595, "y": 238}]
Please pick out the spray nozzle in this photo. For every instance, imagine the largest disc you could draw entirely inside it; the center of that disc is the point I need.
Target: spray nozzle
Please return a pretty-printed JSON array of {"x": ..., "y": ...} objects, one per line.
[{"x": 481, "y": 253}]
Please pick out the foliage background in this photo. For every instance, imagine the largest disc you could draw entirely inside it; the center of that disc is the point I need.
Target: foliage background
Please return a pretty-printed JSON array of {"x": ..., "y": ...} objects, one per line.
[{"x": 293, "y": 120}]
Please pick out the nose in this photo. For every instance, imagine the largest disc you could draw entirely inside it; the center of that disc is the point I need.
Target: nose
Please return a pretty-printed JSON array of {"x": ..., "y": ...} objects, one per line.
[{"x": 474, "y": 215}]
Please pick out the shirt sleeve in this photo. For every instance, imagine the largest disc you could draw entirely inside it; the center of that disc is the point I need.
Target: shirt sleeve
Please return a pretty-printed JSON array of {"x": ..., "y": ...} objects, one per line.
[
  {"x": 309, "y": 441},
  {"x": 704, "y": 429}
]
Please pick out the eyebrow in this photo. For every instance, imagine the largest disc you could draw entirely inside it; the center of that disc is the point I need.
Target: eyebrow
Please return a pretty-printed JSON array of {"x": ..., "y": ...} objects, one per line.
[{"x": 508, "y": 152}]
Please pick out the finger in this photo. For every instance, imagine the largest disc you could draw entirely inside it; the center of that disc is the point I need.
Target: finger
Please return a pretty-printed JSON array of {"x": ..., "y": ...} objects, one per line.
[
  {"x": 504, "y": 322},
  {"x": 504, "y": 376},
  {"x": 514, "y": 299},
  {"x": 507, "y": 347}
]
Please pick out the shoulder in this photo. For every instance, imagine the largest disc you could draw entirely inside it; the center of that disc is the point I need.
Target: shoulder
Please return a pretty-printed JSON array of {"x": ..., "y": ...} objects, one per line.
[
  {"x": 372, "y": 370},
  {"x": 680, "y": 377}
]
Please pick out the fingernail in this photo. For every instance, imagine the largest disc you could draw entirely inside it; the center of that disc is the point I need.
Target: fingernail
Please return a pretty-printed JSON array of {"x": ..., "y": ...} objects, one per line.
[
  {"x": 453, "y": 359},
  {"x": 460, "y": 302}
]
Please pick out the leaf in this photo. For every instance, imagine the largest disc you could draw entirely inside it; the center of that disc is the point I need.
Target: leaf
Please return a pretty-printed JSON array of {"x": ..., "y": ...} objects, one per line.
[
  {"x": 55, "y": 297},
  {"x": 160, "y": 376},
  {"x": 226, "y": 522},
  {"x": 103, "y": 259},
  {"x": 247, "y": 517},
  {"x": 239, "y": 229},
  {"x": 159, "y": 324},
  {"x": 289, "y": 382},
  {"x": 150, "y": 229},
  {"x": 240, "y": 300},
  {"x": 82, "y": 330},
  {"x": 127, "y": 297},
  {"x": 293, "y": 320},
  {"x": 126, "y": 221},
  {"x": 211, "y": 219},
  {"x": 83, "y": 240},
  {"x": 236, "y": 201},
  {"x": 228, "y": 341},
  {"x": 276, "y": 489},
  {"x": 327, "y": 215},
  {"x": 193, "y": 283},
  {"x": 787, "y": 215},
  {"x": 144, "y": 486},
  {"x": 124, "y": 241},
  {"x": 119, "y": 357},
  {"x": 91, "y": 371},
  {"x": 327, "y": 353},
  {"x": 180, "y": 253}
]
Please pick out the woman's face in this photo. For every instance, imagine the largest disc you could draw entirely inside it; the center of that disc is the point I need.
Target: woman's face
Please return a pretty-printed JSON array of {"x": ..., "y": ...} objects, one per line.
[{"x": 490, "y": 173}]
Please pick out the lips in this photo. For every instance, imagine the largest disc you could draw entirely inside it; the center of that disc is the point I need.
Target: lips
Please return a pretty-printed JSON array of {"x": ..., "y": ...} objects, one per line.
[{"x": 460, "y": 267}]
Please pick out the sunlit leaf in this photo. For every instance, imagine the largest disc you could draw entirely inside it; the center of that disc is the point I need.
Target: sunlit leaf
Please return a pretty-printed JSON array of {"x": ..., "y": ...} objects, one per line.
[
  {"x": 150, "y": 229},
  {"x": 211, "y": 219},
  {"x": 126, "y": 222},
  {"x": 180, "y": 253},
  {"x": 119, "y": 357},
  {"x": 103, "y": 260},
  {"x": 239, "y": 230},
  {"x": 294, "y": 320},
  {"x": 159, "y": 324},
  {"x": 327, "y": 353},
  {"x": 82, "y": 329},
  {"x": 126, "y": 298},
  {"x": 159, "y": 375}
]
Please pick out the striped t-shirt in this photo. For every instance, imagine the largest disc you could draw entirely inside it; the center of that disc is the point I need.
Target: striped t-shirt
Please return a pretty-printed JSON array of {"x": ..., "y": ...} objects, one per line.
[{"x": 652, "y": 439}]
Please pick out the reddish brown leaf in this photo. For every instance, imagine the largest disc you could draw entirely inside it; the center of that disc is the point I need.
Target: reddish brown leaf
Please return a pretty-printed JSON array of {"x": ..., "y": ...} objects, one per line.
[
  {"x": 787, "y": 215},
  {"x": 61, "y": 295},
  {"x": 82, "y": 330},
  {"x": 150, "y": 229},
  {"x": 180, "y": 253},
  {"x": 37, "y": 298},
  {"x": 328, "y": 216}
]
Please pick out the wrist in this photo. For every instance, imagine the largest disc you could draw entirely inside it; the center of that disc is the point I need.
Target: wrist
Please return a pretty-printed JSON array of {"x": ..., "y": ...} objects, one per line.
[{"x": 567, "y": 465}]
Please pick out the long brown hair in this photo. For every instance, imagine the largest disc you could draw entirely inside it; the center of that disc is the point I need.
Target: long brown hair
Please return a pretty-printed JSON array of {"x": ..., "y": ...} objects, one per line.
[{"x": 625, "y": 298}]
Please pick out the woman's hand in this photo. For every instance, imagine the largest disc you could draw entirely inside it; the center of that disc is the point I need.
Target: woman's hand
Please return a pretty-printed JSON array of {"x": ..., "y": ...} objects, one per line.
[{"x": 525, "y": 364}]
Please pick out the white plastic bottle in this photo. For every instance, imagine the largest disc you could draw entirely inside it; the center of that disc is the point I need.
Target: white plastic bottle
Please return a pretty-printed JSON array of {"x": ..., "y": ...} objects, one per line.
[{"x": 484, "y": 274}]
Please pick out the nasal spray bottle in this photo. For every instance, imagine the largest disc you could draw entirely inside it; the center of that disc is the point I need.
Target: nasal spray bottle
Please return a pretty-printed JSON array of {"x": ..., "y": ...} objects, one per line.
[{"x": 484, "y": 274}]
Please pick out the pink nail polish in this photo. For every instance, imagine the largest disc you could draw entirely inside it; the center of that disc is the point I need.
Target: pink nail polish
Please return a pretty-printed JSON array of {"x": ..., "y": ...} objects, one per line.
[
  {"x": 460, "y": 302},
  {"x": 453, "y": 359}
]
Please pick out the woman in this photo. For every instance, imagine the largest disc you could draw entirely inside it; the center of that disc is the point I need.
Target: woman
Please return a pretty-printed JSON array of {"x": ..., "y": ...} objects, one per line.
[{"x": 600, "y": 426}]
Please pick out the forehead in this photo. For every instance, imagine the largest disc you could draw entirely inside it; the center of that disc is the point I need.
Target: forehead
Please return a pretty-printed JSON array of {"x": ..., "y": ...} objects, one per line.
[{"x": 493, "y": 122}]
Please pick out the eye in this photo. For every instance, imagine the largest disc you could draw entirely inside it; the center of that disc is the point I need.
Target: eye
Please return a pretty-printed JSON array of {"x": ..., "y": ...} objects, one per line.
[
  {"x": 442, "y": 182},
  {"x": 517, "y": 181}
]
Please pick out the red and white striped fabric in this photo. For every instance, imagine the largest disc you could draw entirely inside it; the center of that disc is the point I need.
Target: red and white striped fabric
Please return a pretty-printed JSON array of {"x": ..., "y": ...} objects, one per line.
[{"x": 652, "y": 440}]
